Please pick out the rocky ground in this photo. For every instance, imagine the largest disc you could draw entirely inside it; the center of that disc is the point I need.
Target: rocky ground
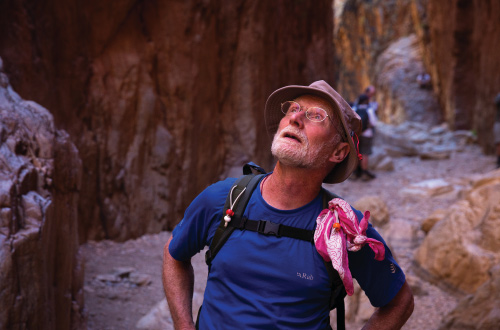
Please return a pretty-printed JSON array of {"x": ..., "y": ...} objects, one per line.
[{"x": 123, "y": 280}]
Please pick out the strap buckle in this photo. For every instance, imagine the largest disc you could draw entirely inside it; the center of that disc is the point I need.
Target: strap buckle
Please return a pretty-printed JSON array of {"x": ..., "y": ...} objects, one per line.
[{"x": 269, "y": 228}]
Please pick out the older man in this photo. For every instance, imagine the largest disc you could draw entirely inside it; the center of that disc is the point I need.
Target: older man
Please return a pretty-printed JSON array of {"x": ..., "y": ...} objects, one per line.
[{"x": 268, "y": 282}]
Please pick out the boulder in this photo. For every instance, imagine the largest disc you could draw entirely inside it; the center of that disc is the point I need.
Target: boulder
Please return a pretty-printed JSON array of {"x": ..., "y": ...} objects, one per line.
[
  {"x": 379, "y": 213},
  {"x": 358, "y": 306},
  {"x": 428, "y": 188},
  {"x": 380, "y": 160},
  {"x": 41, "y": 273},
  {"x": 157, "y": 318},
  {"x": 480, "y": 310},
  {"x": 414, "y": 139},
  {"x": 434, "y": 218},
  {"x": 461, "y": 248}
]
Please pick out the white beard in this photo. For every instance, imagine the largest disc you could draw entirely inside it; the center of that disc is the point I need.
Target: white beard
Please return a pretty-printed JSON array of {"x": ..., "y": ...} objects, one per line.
[{"x": 291, "y": 153}]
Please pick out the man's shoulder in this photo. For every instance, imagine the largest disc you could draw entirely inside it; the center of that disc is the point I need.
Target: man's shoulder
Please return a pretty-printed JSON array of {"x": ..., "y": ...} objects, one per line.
[
  {"x": 329, "y": 195},
  {"x": 215, "y": 193}
]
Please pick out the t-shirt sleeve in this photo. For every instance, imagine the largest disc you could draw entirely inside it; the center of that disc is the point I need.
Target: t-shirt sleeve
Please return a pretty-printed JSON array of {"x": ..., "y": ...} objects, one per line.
[
  {"x": 380, "y": 280},
  {"x": 200, "y": 221}
]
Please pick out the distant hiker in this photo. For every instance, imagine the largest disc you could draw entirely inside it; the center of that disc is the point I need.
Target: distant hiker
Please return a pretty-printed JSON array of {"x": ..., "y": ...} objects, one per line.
[
  {"x": 370, "y": 92},
  {"x": 272, "y": 272},
  {"x": 496, "y": 129},
  {"x": 366, "y": 112},
  {"x": 424, "y": 80}
]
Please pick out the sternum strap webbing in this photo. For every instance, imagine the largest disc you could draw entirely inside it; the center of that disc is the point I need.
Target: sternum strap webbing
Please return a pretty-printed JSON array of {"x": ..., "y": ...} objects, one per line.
[{"x": 270, "y": 228}]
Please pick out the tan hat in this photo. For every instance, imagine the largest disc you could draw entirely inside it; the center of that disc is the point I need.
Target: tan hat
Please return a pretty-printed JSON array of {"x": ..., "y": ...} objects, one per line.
[{"x": 350, "y": 120}]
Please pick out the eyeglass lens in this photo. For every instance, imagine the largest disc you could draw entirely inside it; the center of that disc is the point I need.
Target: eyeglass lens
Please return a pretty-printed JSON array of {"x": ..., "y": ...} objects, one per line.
[{"x": 313, "y": 114}]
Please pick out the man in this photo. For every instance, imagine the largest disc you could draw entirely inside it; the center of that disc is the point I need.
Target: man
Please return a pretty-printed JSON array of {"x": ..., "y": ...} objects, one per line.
[{"x": 268, "y": 282}]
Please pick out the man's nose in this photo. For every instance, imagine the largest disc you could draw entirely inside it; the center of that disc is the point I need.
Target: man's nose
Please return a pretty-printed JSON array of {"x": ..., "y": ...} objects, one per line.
[{"x": 298, "y": 118}]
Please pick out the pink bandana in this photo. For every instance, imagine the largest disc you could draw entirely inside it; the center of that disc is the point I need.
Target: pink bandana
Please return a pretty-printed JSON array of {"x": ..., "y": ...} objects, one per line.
[{"x": 337, "y": 231}]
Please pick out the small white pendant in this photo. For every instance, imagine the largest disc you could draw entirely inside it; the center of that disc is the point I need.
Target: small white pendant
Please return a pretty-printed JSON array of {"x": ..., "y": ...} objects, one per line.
[{"x": 227, "y": 218}]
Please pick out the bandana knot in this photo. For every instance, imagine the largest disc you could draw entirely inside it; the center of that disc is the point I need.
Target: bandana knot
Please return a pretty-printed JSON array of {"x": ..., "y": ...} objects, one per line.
[{"x": 333, "y": 241}]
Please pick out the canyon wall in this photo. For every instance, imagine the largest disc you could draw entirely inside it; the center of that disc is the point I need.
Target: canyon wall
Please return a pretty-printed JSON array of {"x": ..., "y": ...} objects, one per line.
[
  {"x": 363, "y": 30},
  {"x": 161, "y": 98},
  {"x": 456, "y": 44},
  {"x": 41, "y": 271},
  {"x": 461, "y": 40}
]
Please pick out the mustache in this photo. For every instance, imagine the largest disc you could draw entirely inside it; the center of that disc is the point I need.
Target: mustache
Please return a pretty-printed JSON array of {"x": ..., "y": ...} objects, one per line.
[{"x": 294, "y": 131}]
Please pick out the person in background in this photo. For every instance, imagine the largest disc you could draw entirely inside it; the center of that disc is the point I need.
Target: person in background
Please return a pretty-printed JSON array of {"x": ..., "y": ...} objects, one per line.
[
  {"x": 366, "y": 110},
  {"x": 424, "y": 80},
  {"x": 370, "y": 92}
]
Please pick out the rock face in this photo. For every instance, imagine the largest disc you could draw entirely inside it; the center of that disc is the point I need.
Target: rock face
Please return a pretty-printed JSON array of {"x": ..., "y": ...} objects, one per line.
[
  {"x": 455, "y": 42},
  {"x": 41, "y": 275},
  {"x": 377, "y": 44},
  {"x": 459, "y": 38},
  {"x": 161, "y": 98},
  {"x": 363, "y": 30},
  {"x": 463, "y": 247},
  {"x": 399, "y": 95}
]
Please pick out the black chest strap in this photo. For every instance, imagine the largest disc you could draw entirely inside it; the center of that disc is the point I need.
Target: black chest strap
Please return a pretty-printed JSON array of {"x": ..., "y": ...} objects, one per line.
[{"x": 266, "y": 227}]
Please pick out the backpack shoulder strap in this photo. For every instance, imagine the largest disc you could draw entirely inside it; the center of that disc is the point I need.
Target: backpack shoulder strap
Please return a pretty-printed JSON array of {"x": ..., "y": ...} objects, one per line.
[
  {"x": 338, "y": 290},
  {"x": 245, "y": 186}
]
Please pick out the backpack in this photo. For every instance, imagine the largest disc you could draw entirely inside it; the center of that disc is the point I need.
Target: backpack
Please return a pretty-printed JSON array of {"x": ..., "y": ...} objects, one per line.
[
  {"x": 363, "y": 114},
  {"x": 245, "y": 186}
]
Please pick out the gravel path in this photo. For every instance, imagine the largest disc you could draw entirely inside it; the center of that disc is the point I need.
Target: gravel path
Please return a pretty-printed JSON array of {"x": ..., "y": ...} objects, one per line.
[{"x": 118, "y": 302}]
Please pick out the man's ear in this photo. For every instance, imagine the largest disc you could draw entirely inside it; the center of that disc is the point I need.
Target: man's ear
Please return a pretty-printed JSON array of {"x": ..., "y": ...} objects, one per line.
[{"x": 341, "y": 151}]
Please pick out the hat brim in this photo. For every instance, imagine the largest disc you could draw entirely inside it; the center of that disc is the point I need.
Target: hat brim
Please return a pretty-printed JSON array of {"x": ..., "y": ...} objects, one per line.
[{"x": 273, "y": 116}]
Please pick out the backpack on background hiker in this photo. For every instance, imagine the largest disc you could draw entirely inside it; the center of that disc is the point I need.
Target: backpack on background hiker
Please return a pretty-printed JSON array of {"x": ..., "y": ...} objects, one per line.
[
  {"x": 362, "y": 111},
  {"x": 361, "y": 108},
  {"x": 245, "y": 186}
]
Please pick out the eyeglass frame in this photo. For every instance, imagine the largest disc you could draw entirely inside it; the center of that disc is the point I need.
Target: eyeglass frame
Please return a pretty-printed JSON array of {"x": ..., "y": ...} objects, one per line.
[{"x": 301, "y": 108}]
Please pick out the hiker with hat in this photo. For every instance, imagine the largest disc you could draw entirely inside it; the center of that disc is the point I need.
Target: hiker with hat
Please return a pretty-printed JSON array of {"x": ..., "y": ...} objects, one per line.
[
  {"x": 369, "y": 120},
  {"x": 272, "y": 272}
]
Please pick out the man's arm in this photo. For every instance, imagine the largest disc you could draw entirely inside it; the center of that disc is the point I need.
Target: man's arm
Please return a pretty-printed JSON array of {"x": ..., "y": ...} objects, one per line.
[
  {"x": 395, "y": 314},
  {"x": 178, "y": 283}
]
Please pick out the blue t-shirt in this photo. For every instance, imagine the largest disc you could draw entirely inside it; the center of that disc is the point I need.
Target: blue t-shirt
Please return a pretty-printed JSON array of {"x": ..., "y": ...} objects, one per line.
[{"x": 267, "y": 282}]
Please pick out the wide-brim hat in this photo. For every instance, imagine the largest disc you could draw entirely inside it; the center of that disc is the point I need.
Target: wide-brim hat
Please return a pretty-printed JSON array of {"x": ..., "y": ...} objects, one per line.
[{"x": 351, "y": 122}]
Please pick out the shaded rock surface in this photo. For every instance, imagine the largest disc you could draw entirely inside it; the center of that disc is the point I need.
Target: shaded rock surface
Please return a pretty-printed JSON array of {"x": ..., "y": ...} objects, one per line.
[
  {"x": 41, "y": 274},
  {"x": 479, "y": 310},
  {"x": 161, "y": 98},
  {"x": 458, "y": 38}
]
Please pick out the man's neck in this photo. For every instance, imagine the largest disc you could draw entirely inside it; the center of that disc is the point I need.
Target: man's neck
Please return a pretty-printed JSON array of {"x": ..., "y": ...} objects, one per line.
[{"x": 288, "y": 188}]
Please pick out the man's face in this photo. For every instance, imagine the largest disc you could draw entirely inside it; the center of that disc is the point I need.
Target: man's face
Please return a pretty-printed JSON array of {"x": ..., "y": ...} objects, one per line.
[{"x": 303, "y": 143}]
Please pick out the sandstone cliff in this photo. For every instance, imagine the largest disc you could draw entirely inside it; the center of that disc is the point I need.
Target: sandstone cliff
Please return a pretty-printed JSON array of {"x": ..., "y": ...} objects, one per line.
[
  {"x": 41, "y": 274},
  {"x": 161, "y": 98},
  {"x": 456, "y": 43},
  {"x": 461, "y": 38}
]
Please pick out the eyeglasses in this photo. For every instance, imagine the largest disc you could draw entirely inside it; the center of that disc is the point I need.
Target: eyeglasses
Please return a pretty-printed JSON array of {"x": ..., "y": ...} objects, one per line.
[{"x": 315, "y": 114}]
